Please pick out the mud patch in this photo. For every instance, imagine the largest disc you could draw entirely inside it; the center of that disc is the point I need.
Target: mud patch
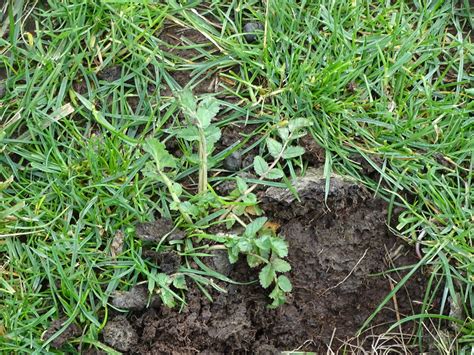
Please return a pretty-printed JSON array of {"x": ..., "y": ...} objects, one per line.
[{"x": 336, "y": 248}]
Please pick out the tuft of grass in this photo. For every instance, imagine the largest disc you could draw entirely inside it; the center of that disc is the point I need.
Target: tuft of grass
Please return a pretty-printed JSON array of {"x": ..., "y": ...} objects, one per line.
[{"x": 390, "y": 83}]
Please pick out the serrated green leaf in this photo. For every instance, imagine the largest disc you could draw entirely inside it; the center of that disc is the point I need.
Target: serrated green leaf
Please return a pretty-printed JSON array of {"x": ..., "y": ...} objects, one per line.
[
  {"x": 241, "y": 184},
  {"x": 187, "y": 101},
  {"x": 298, "y": 123},
  {"x": 281, "y": 265},
  {"x": 274, "y": 147},
  {"x": 263, "y": 243},
  {"x": 293, "y": 152},
  {"x": 190, "y": 133},
  {"x": 275, "y": 174},
  {"x": 177, "y": 188},
  {"x": 233, "y": 254},
  {"x": 189, "y": 208},
  {"x": 284, "y": 133},
  {"x": 179, "y": 282},
  {"x": 279, "y": 246},
  {"x": 253, "y": 227},
  {"x": 250, "y": 198},
  {"x": 157, "y": 150},
  {"x": 244, "y": 245},
  {"x": 260, "y": 165},
  {"x": 278, "y": 297},
  {"x": 206, "y": 111},
  {"x": 266, "y": 276},
  {"x": 167, "y": 298},
  {"x": 212, "y": 134},
  {"x": 253, "y": 261},
  {"x": 163, "y": 279},
  {"x": 284, "y": 283}
]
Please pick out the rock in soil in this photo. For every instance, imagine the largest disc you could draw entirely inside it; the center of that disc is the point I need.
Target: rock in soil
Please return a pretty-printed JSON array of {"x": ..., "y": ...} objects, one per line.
[
  {"x": 3, "y": 90},
  {"x": 233, "y": 162},
  {"x": 335, "y": 249},
  {"x": 250, "y": 30},
  {"x": 119, "y": 334}
]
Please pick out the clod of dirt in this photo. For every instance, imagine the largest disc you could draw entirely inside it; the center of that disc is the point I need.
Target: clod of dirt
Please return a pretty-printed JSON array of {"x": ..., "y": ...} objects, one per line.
[
  {"x": 233, "y": 162},
  {"x": 72, "y": 331},
  {"x": 153, "y": 231},
  {"x": 250, "y": 30},
  {"x": 134, "y": 300},
  {"x": 119, "y": 334},
  {"x": 110, "y": 73},
  {"x": 335, "y": 249},
  {"x": 168, "y": 261},
  {"x": 3, "y": 90}
]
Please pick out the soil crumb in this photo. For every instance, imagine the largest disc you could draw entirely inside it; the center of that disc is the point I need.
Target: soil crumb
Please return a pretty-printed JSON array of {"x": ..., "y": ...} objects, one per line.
[{"x": 335, "y": 249}]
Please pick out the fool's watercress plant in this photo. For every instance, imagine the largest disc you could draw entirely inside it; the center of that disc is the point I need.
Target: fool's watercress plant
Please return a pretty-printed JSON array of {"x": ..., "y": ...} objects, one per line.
[{"x": 262, "y": 246}]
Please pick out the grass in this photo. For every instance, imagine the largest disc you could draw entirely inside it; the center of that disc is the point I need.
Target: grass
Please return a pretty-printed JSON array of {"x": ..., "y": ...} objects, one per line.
[{"x": 391, "y": 83}]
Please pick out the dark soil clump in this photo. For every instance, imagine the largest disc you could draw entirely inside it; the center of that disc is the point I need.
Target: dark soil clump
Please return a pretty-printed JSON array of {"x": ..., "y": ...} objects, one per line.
[
  {"x": 335, "y": 249},
  {"x": 72, "y": 331}
]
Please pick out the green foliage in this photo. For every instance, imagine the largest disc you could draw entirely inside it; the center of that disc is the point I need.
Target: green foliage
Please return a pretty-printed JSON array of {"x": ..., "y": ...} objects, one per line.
[
  {"x": 200, "y": 129},
  {"x": 261, "y": 246}
]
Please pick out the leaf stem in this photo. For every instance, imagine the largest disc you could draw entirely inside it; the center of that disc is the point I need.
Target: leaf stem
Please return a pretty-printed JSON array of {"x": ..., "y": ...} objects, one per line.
[{"x": 202, "y": 187}]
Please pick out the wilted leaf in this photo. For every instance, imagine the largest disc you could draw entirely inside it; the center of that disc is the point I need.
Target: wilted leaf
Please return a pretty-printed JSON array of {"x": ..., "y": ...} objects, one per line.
[
  {"x": 273, "y": 226},
  {"x": 117, "y": 244}
]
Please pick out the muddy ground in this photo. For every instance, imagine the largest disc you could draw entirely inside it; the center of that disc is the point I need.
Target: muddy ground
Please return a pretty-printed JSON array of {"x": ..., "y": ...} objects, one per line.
[{"x": 335, "y": 250}]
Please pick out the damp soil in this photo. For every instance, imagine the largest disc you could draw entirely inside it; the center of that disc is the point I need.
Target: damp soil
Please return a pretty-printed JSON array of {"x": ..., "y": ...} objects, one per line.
[{"x": 337, "y": 251}]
